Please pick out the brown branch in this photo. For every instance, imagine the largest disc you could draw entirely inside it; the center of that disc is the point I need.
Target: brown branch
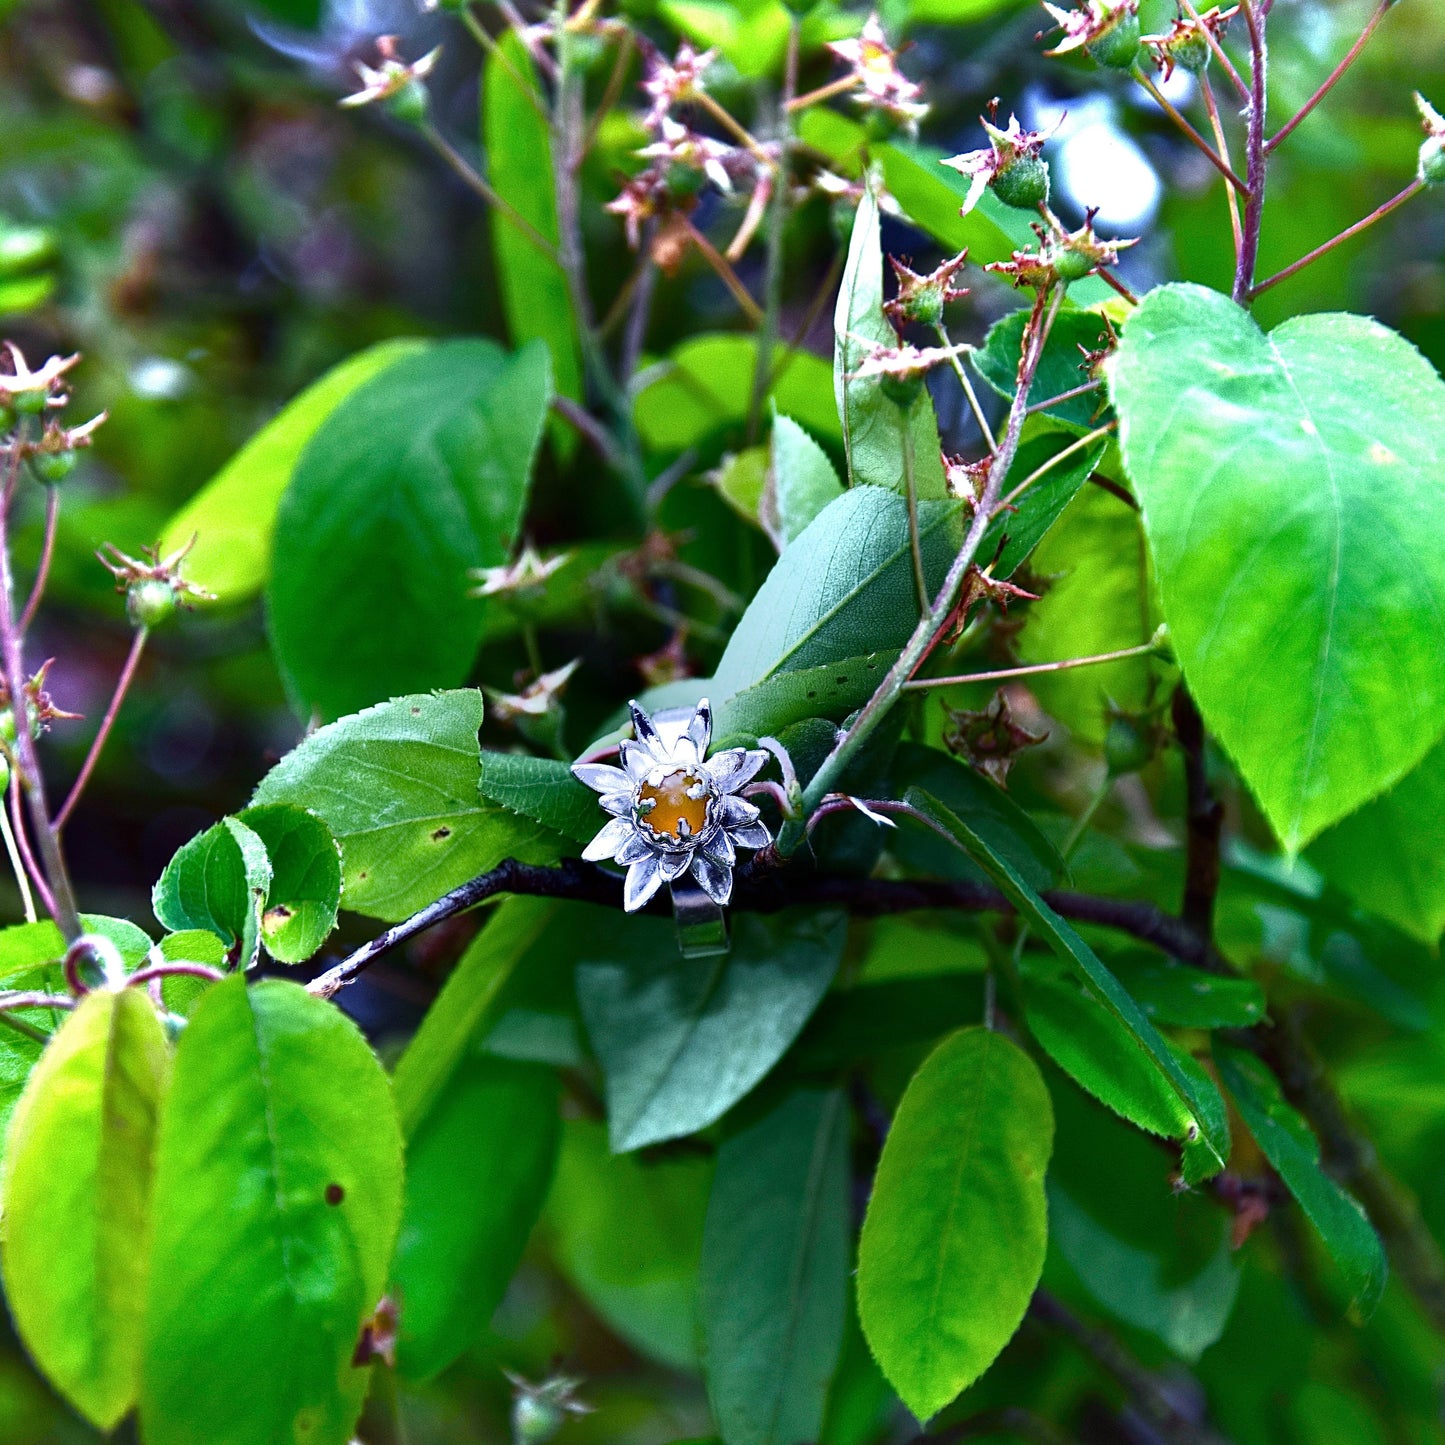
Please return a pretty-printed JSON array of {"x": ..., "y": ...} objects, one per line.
[{"x": 1204, "y": 820}]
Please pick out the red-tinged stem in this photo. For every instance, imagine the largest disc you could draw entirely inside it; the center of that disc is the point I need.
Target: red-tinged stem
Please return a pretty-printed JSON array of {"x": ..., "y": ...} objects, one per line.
[
  {"x": 47, "y": 552},
  {"x": 175, "y": 970},
  {"x": 1235, "y": 78},
  {"x": 1189, "y": 133},
  {"x": 22, "y": 844},
  {"x": 1333, "y": 78},
  {"x": 726, "y": 274},
  {"x": 1212, "y": 107},
  {"x": 122, "y": 686},
  {"x": 1082, "y": 390},
  {"x": 1006, "y": 674},
  {"x": 1256, "y": 158},
  {"x": 1115, "y": 284},
  {"x": 1379, "y": 214}
]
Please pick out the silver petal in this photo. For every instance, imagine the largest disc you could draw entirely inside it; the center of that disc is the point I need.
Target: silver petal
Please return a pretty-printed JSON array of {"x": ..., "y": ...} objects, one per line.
[
  {"x": 644, "y": 878},
  {"x": 618, "y": 804},
  {"x": 736, "y": 768},
  {"x": 638, "y": 761},
  {"x": 601, "y": 777},
  {"x": 674, "y": 865},
  {"x": 751, "y": 835},
  {"x": 634, "y": 850},
  {"x": 615, "y": 832},
  {"x": 643, "y": 728},
  {"x": 699, "y": 729},
  {"x": 720, "y": 848},
  {"x": 736, "y": 812},
  {"x": 715, "y": 879}
]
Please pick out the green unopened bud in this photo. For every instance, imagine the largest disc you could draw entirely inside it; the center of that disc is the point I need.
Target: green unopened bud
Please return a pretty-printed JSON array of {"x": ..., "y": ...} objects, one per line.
[
  {"x": 1118, "y": 47},
  {"x": 1127, "y": 746},
  {"x": 52, "y": 467},
  {"x": 149, "y": 601},
  {"x": 1023, "y": 184},
  {"x": 535, "y": 1419},
  {"x": 902, "y": 390},
  {"x": 410, "y": 103},
  {"x": 30, "y": 403},
  {"x": 7, "y": 417},
  {"x": 24, "y": 248},
  {"x": 1432, "y": 161},
  {"x": 1192, "y": 52},
  {"x": 1071, "y": 265}
]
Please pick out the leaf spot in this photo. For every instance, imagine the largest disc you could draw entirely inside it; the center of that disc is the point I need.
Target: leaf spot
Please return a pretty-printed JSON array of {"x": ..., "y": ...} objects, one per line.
[
  {"x": 1381, "y": 455},
  {"x": 334, "y": 1194},
  {"x": 441, "y": 833}
]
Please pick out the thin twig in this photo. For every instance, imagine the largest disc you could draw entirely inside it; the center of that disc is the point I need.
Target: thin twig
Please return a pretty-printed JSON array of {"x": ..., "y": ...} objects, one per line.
[
  {"x": 726, "y": 274},
  {"x": 1256, "y": 160},
  {"x": 122, "y": 686},
  {"x": 610, "y": 96},
  {"x": 22, "y": 842},
  {"x": 1333, "y": 78},
  {"x": 1235, "y": 78},
  {"x": 961, "y": 372},
  {"x": 587, "y": 425},
  {"x": 177, "y": 969},
  {"x": 1378, "y": 214},
  {"x": 1083, "y": 389},
  {"x": 488, "y": 43},
  {"x": 1075, "y": 446},
  {"x": 823, "y": 92},
  {"x": 1006, "y": 674},
  {"x": 17, "y": 866},
  {"x": 1206, "y": 90},
  {"x": 1189, "y": 133},
  {"x": 474, "y": 178},
  {"x": 910, "y": 491},
  {"x": 47, "y": 552},
  {"x": 535, "y": 49}
]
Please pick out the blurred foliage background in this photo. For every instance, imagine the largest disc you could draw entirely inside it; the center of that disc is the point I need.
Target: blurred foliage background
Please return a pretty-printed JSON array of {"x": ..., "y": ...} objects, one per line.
[{"x": 182, "y": 201}]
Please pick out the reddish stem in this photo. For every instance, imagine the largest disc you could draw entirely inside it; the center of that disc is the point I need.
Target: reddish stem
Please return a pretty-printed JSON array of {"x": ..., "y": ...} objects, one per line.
[
  {"x": 22, "y": 844},
  {"x": 47, "y": 551},
  {"x": 1328, "y": 84},
  {"x": 137, "y": 646},
  {"x": 175, "y": 970},
  {"x": 1255, "y": 152}
]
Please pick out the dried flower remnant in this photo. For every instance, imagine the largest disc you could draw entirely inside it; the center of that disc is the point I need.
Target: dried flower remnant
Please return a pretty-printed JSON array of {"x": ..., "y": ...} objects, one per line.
[
  {"x": 524, "y": 578},
  {"x": 1012, "y": 164},
  {"x": 921, "y": 299},
  {"x": 989, "y": 740},
  {"x": 674, "y": 82},
  {"x": 1186, "y": 43},
  {"x": 675, "y": 810},
  {"x": 153, "y": 587},
  {"x": 880, "y": 84},
  {"x": 535, "y": 700},
  {"x": 396, "y": 82},
  {"x": 1432, "y": 149},
  {"x": 539, "y": 1411}
]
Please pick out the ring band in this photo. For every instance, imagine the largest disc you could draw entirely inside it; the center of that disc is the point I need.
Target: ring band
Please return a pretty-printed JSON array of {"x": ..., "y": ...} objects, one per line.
[{"x": 702, "y": 926}]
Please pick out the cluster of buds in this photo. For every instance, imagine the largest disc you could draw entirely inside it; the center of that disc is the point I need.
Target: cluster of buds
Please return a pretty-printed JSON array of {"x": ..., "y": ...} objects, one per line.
[
  {"x": 682, "y": 160},
  {"x": 1432, "y": 149},
  {"x": 921, "y": 299},
  {"x": 25, "y": 392},
  {"x": 877, "y": 83},
  {"x": 539, "y": 1411},
  {"x": 398, "y": 84},
  {"x": 1186, "y": 43},
  {"x": 989, "y": 739},
  {"x": 1012, "y": 165},
  {"x": 1062, "y": 258},
  {"x": 1105, "y": 30},
  {"x": 153, "y": 587},
  {"x": 40, "y": 708}
]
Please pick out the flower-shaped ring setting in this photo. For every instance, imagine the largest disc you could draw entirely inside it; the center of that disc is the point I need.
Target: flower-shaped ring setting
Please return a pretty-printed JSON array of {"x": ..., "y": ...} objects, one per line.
[{"x": 675, "y": 810}]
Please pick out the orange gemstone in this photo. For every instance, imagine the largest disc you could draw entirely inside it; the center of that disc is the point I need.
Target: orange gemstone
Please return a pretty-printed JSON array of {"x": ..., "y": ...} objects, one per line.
[{"x": 672, "y": 806}]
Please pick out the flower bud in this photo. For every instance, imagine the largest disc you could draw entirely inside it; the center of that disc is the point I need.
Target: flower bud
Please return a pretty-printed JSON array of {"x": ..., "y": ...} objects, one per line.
[
  {"x": 1070, "y": 265},
  {"x": 1432, "y": 161},
  {"x": 1192, "y": 52},
  {"x": 409, "y": 105},
  {"x": 30, "y": 403},
  {"x": 149, "y": 601},
  {"x": 52, "y": 467},
  {"x": 1023, "y": 183},
  {"x": 535, "y": 1419},
  {"x": 1118, "y": 47}
]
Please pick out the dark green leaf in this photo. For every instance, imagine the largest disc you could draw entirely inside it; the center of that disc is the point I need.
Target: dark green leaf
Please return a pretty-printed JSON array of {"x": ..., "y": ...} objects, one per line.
[
  {"x": 873, "y": 426},
  {"x": 953, "y": 1242},
  {"x": 1036, "y": 511},
  {"x": 542, "y": 790},
  {"x": 854, "y": 1024},
  {"x": 77, "y": 1184},
  {"x": 1292, "y": 1149},
  {"x": 218, "y": 882},
  {"x": 629, "y": 1237},
  {"x": 1187, "y": 1084},
  {"x": 519, "y": 166},
  {"x": 418, "y": 476},
  {"x": 1171, "y": 993},
  {"x": 680, "y": 1042},
  {"x": 233, "y": 517},
  {"x": 843, "y": 589},
  {"x": 1060, "y": 369},
  {"x": 398, "y": 787},
  {"x": 1290, "y": 488},
  {"x": 773, "y": 1288},
  {"x": 477, "y": 1170},
  {"x": 830, "y": 690},
  {"x": 277, "y": 1199},
  {"x": 305, "y": 889}
]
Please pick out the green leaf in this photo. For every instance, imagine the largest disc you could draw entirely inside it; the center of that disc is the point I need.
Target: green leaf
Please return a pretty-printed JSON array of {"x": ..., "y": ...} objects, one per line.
[
  {"x": 629, "y": 1237},
  {"x": 1389, "y": 856},
  {"x": 843, "y": 589},
  {"x": 1097, "y": 1051},
  {"x": 740, "y": 480},
  {"x": 218, "y": 881},
  {"x": 1187, "y": 1083},
  {"x": 533, "y": 287},
  {"x": 398, "y": 785},
  {"x": 801, "y": 482},
  {"x": 680, "y": 1043},
  {"x": 1036, "y": 511},
  {"x": 773, "y": 1288},
  {"x": 956, "y": 12},
  {"x": 707, "y": 384},
  {"x": 305, "y": 889},
  {"x": 24, "y": 945},
  {"x": 461, "y": 1015},
  {"x": 76, "y": 1185},
  {"x": 478, "y": 1166},
  {"x": 1172, "y": 993},
  {"x": 1061, "y": 368},
  {"x": 1290, "y": 487},
  {"x": 542, "y": 790},
  {"x": 873, "y": 427},
  {"x": 854, "y": 1024},
  {"x": 953, "y": 1242},
  {"x": 1096, "y": 599},
  {"x": 418, "y": 476},
  {"x": 1292, "y": 1149},
  {"x": 277, "y": 1199},
  {"x": 233, "y": 517}
]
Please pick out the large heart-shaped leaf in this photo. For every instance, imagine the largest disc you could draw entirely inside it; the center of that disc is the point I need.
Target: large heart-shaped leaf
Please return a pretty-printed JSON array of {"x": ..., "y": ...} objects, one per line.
[{"x": 1290, "y": 485}]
